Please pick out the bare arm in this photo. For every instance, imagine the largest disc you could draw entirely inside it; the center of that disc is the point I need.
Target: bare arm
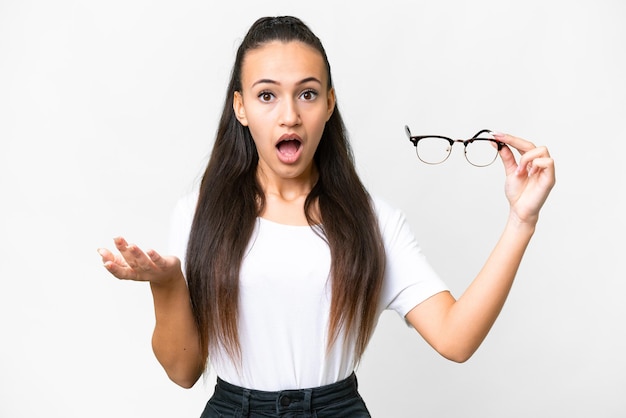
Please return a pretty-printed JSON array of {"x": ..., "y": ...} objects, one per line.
[
  {"x": 456, "y": 328},
  {"x": 175, "y": 340}
]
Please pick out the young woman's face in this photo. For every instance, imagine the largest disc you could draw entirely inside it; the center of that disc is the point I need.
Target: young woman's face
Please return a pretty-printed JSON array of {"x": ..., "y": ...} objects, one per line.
[{"x": 285, "y": 102}]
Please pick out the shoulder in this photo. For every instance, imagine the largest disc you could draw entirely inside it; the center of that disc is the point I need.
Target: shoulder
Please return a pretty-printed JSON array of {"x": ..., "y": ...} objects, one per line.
[
  {"x": 185, "y": 206},
  {"x": 182, "y": 214},
  {"x": 394, "y": 226},
  {"x": 381, "y": 206},
  {"x": 386, "y": 213},
  {"x": 181, "y": 219}
]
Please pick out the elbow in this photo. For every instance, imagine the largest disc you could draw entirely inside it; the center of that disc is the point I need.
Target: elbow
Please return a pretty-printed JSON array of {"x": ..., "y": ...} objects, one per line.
[
  {"x": 183, "y": 376},
  {"x": 184, "y": 381},
  {"x": 458, "y": 347},
  {"x": 457, "y": 358},
  {"x": 185, "y": 372},
  {"x": 457, "y": 354},
  {"x": 183, "y": 367}
]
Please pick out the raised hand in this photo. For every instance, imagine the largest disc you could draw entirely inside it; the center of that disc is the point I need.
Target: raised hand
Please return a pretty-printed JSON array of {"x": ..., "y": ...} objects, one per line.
[
  {"x": 133, "y": 264},
  {"x": 529, "y": 181}
]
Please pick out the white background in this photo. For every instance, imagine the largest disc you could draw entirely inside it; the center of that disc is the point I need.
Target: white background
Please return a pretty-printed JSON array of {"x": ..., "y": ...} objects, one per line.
[{"x": 107, "y": 114}]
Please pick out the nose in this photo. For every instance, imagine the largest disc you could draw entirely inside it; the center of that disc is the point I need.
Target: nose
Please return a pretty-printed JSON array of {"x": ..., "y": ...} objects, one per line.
[{"x": 289, "y": 113}]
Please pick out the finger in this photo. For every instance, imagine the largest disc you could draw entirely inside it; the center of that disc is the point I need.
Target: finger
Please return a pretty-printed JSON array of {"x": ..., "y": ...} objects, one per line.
[
  {"x": 115, "y": 265},
  {"x": 543, "y": 166},
  {"x": 530, "y": 159},
  {"x": 139, "y": 259},
  {"x": 508, "y": 160},
  {"x": 106, "y": 254},
  {"x": 132, "y": 255},
  {"x": 519, "y": 144},
  {"x": 120, "y": 243},
  {"x": 543, "y": 162},
  {"x": 122, "y": 246},
  {"x": 109, "y": 257},
  {"x": 119, "y": 271},
  {"x": 537, "y": 152},
  {"x": 156, "y": 258}
]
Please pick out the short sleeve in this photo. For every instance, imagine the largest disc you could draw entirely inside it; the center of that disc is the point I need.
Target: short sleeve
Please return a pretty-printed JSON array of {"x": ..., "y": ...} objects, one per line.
[
  {"x": 409, "y": 278},
  {"x": 180, "y": 226}
]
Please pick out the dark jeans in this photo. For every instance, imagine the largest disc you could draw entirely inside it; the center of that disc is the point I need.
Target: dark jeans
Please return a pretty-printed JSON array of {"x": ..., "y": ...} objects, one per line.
[{"x": 337, "y": 400}]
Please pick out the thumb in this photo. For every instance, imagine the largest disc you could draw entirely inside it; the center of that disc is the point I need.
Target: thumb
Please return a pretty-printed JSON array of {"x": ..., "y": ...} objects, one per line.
[{"x": 508, "y": 160}]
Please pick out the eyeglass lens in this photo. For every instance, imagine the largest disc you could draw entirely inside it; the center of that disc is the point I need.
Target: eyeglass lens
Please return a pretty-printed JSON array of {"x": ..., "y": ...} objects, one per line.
[
  {"x": 434, "y": 150},
  {"x": 481, "y": 152}
]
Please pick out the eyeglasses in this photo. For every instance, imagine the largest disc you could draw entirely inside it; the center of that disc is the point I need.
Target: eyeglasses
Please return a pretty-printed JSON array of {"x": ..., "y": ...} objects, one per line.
[{"x": 480, "y": 150}]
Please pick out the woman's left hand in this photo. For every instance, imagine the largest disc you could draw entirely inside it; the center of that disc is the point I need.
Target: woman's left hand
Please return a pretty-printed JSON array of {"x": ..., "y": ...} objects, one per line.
[{"x": 529, "y": 181}]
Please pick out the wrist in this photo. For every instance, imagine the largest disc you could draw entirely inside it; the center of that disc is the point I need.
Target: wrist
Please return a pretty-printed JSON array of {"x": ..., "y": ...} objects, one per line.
[
  {"x": 169, "y": 283},
  {"x": 526, "y": 226}
]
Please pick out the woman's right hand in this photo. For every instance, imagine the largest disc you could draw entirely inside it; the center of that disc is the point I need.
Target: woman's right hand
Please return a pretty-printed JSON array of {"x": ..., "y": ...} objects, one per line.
[
  {"x": 175, "y": 341},
  {"x": 134, "y": 264}
]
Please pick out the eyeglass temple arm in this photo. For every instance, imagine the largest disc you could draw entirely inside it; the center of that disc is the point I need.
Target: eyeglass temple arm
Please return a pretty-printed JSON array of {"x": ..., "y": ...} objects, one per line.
[
  {"x": 416, "y": 138},
  {"x": 500, "y": 144},
  {"x": 482, "y": 132}
]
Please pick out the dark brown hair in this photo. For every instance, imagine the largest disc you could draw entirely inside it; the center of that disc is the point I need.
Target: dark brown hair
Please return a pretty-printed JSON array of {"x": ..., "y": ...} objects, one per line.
[{"x": 231, "y": 199}]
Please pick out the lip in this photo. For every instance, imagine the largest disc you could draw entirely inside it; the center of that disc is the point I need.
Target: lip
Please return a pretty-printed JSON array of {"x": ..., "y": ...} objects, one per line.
[
  {"x": 294, "y": 155},
  {"x": 288, "y": 136}
]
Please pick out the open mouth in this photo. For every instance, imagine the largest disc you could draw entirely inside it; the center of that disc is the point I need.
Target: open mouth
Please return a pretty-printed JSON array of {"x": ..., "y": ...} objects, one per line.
[{"x": 289, "y": 146}]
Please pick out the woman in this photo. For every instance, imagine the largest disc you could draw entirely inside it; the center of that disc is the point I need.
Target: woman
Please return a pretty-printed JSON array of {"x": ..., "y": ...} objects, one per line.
[{"x": 289, "y": 261}]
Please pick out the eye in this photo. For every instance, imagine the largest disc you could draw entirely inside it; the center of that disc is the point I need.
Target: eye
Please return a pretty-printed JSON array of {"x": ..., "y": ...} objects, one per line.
[
  {"x": 308, "y": 95},
  {"x": 266, "y": 96}
]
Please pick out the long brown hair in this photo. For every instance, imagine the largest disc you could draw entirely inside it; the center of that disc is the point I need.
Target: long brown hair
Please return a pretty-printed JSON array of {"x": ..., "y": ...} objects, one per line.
[{"x": 231, "y": 199}]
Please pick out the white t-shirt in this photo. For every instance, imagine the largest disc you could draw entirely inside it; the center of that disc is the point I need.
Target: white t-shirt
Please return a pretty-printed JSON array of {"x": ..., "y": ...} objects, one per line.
[{"x": 285, "y": 299}]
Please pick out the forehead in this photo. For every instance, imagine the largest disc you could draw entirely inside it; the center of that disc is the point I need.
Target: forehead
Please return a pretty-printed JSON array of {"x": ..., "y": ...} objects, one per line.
[{"x": 283, "y": 62}]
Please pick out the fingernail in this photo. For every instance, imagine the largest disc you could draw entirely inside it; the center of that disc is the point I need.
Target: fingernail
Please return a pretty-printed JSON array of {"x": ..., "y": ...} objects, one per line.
[{"x": 496, "y": 133}]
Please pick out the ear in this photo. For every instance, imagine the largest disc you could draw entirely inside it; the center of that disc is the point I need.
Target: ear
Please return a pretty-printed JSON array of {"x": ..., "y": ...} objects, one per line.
[
  {"x": 240, "y": 111},
  {"x": 330, "y": 102}
]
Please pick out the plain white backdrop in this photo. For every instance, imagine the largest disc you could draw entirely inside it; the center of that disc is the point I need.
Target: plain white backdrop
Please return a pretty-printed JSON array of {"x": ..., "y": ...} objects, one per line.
[{"x": 107, "y": 116}]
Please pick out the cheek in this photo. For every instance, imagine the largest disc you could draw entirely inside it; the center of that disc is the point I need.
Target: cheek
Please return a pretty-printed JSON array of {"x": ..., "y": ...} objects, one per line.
[
  {"x": 258, "y": 125},
  {"x": 257, "y": 138},
  {"x": 320, "y": 122}
]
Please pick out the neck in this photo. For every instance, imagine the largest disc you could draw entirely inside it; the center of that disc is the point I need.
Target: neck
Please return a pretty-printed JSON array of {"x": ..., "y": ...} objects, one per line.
[
  {"x": 285, "y": 197},
  {"x": 287, "y": 189}
]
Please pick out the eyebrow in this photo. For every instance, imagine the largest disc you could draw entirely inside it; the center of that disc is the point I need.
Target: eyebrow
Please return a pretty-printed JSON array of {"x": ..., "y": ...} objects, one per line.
[{"x": 270, "y": 81}]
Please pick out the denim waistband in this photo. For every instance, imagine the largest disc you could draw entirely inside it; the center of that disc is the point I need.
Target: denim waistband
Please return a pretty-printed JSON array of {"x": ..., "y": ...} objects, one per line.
[{"x": 304, "y": 400}]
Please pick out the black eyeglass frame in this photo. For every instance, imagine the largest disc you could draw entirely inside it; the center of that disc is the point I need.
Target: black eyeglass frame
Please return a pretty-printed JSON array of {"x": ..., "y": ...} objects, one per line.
[{"x": 416, "y": 138}]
